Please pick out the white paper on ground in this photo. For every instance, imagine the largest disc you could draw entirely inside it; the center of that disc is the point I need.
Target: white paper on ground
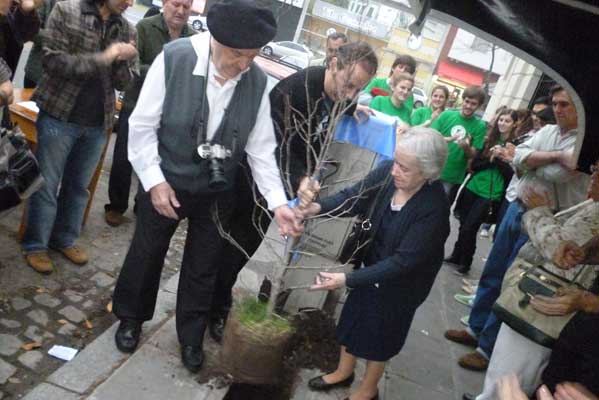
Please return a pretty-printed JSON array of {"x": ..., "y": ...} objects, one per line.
[
  {"x": 63, "y": 352},
  {"x": 30, "y": 105}
]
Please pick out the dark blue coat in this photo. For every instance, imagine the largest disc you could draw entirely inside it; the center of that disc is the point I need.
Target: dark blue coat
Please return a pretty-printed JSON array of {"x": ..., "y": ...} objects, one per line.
[{"x": 401, "y": 263}]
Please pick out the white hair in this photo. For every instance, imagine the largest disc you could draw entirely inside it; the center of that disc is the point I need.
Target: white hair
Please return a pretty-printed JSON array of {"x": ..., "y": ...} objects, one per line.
[{"x": 429, "y": 148}]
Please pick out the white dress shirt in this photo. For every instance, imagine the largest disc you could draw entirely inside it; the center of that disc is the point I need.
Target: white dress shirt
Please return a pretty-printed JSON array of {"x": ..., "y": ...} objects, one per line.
[
  {"x": 565, "y": 187},
  {"x": 145, "y": 120}
]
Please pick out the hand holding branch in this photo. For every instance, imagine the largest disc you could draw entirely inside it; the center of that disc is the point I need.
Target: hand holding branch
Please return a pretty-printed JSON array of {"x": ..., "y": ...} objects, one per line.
[{"x": 329, "y": 281}]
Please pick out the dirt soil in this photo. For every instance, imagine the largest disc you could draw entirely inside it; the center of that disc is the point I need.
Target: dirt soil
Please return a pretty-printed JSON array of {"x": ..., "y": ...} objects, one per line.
[{"x": 313, "y": 346}]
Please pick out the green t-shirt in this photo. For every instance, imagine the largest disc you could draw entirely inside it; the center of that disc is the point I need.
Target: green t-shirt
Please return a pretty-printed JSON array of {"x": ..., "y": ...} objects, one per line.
[
  {"x": 487, "y": 183},
  {"x": 386, "y": 106},
  {"x": 381, "y": 83},
  {"x": 448, "y": 123},
  {"x": 421, "y": 115}
]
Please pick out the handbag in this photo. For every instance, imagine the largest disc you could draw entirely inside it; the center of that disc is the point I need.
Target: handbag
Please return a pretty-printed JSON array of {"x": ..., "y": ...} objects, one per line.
[
  {"x": 360, "y": 237},
  {"x": 524, "y": 280},
  {"x": 20, "y": 175}
]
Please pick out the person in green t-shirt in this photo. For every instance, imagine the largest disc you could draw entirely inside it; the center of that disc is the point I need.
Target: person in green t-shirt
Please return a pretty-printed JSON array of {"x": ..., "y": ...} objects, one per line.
[
  {"x": 424, "y": 116},
  {"x": 382, "y": 86},
  {"x": 484, "y": 190},
  {"x": 465, "y": 133},
  {"x": 395, "y": 105}
]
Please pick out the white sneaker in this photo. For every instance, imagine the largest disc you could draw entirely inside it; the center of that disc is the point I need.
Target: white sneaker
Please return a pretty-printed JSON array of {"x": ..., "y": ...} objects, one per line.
[{"x": 484, "y": 233}]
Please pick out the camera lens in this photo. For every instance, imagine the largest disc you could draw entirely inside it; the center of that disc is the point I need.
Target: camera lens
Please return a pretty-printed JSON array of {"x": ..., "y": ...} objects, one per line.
[{"x": 218, "y": 181}]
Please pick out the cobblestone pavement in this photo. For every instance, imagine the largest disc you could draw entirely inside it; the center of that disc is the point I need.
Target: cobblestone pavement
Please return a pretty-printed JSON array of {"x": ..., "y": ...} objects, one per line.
[{"x": 67, "y": 307}]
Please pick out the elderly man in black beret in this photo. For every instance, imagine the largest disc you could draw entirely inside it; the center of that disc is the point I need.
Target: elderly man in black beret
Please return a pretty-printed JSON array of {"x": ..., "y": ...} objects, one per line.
[{"x": 202, "y": 108}]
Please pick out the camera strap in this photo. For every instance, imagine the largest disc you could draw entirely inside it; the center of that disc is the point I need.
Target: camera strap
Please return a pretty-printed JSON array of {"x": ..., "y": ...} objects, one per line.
[{"x": 204, "y": 112}]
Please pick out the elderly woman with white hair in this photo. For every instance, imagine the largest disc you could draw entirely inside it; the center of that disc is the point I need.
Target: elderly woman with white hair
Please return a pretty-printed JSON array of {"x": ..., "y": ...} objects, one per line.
[{"x": 410, "y": 224}]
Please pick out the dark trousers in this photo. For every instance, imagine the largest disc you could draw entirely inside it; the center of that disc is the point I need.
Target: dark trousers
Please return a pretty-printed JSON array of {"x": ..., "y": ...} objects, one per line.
[
  {"x": 575, "y": 356},
  {"x": 246, "y": 215},
  {"x": 473, "y": 210},
  {"x": 119, "y": 182},
  {"x": 137, "y": 286}
]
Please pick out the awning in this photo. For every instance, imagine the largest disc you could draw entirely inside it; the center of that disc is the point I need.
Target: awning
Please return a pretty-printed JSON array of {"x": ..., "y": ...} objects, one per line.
[{"x": 455, "y": 72}]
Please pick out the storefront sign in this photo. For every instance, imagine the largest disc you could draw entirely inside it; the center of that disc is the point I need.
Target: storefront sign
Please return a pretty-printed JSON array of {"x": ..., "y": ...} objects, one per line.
[{"x": 356, "y": 22}]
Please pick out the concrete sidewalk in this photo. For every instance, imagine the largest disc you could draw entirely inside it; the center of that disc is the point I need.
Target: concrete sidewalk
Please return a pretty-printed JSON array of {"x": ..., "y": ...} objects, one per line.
[{"x": 425, "y": 369}]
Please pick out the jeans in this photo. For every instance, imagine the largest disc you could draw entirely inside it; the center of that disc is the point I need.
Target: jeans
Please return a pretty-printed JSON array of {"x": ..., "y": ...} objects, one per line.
[
  {"x": 68, "y": 155},
  {"x": 483, "y": 323}
]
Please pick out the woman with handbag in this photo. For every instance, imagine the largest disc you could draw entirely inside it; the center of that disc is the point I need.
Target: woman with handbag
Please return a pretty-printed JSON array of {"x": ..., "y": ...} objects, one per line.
[
  {"x": 399, "y": 265},
  {"x": 553, "y": 240},
  {"x": 481, "y": 195}
]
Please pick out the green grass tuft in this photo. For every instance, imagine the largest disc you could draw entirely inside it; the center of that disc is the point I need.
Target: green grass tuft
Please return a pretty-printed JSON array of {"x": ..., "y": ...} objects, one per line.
[{"x": 252, "y": 314}]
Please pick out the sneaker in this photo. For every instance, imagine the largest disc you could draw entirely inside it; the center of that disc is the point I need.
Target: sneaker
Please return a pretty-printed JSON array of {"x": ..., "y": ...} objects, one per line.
[
  {"x": 473, "y": 361},
  {"x": 75, "y": 254},
  {"x": 465, "y": 299},
  {"x": 114, "y": 218},
  {"x": 40, "y": 261},
  {"x": 484, "y": 233},
  {"x": 470, "y": 282},
  {"x": 461, "y": 337},
  {"x": 470, "y": 289},
  {"x": 465, "y": 320}
]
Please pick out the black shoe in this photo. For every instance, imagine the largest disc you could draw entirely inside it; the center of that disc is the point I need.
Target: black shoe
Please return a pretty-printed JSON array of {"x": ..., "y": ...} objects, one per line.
[
  {"x": 216, "y": 328},
  {"x": 462, "y": 270},
  {"x": 192, "y": 357},
  {"x": 127, "y": 335},
  {"x": 468, "y": 396},
  {"x": 319, "y": 384},
  {"x": 376, "y": 397},
  {"x": 451, "y": 261}
]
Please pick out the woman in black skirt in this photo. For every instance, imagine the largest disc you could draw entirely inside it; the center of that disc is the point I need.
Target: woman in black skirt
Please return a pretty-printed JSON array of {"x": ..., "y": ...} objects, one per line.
[{"x": 410, "y": 224}]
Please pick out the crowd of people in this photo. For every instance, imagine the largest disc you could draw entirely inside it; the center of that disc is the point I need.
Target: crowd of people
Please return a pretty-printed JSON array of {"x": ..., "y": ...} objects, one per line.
[{"x": 201, "y": 131}]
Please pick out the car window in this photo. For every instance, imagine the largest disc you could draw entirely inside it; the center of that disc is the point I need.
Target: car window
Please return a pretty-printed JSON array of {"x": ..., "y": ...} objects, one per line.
[
  {"x": 286, "y": 44},
  {"x": 418, "y": 91}
]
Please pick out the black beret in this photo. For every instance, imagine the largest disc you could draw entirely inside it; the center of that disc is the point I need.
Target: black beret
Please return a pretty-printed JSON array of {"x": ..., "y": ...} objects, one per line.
[{"x": 241, "y": 24}]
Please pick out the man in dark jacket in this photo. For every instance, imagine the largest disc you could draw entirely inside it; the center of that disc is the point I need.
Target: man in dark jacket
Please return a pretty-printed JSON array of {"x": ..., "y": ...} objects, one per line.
[
  {"x": 86, "y": 53},
  {"x": 349, "y": 71},
  {"x": 152, "y": 33}
]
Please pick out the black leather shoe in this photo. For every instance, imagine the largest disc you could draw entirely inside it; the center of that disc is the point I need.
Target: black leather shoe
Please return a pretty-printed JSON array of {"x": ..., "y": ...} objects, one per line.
[
  {"x": 192, "y": 357},
  {"x": 468, "y": 396},
  {"x": 216, "y": 329},
  {"x": 319, "y": 384},
  {"x": 127, "y": 335},
  {"x": 376, "y": 397}
]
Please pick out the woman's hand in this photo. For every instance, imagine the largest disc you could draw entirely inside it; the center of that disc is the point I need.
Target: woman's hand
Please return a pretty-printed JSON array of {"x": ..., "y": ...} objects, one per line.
[
  {"x": 566, "y": 391},
  {"x": 329, "y": 281},
  {"x": 565, "y": 301},
  {"x": 533, "y": 199},
  {"x": 568, "y": 255},
  {"x": 508, "y": 388}
]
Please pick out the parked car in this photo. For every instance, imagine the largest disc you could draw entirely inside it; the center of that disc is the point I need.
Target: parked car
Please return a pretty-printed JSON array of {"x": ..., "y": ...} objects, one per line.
[
  {"x": 275, "y": 69},
  {"x": 420, "y": 97},
  {"x": 197, "y": 22},
  {"x": 296, "y": 53}
]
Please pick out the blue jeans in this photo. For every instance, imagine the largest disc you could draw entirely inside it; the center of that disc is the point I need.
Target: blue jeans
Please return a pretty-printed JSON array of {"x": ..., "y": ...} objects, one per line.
[
  {"x": 483, "y": 323},
  {"x": 68, "y": 155}
]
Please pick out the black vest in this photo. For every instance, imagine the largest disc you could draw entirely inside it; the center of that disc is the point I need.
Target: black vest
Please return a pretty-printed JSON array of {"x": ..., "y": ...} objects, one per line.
[{"x": 181, "y": 118}]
